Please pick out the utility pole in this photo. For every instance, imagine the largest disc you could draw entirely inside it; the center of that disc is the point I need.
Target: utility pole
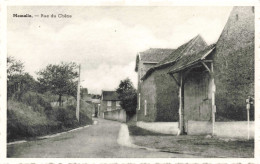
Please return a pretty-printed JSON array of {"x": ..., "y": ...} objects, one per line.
[{"x": 78, "y": 97}]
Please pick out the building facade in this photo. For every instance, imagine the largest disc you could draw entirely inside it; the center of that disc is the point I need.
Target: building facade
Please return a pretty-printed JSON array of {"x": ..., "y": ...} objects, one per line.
[
  {"x": 215, "y": 83},
  {"x": 157, "y": 92},
  {"x": 109, "y": 102}
]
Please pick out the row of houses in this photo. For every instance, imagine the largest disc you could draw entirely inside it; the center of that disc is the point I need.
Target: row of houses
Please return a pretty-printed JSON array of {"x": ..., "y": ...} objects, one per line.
[{"x": 199, "y": 82}]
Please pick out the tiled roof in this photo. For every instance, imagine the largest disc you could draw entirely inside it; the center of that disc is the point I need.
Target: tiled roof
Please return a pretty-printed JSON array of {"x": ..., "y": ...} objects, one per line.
[
  {"x": 110, "y": 95},
  {"x": 155, "y": 54},
  {"x": 191, "y": 59},
  {"x": 184, "y": 49},
  {"x": 194, "y": 45}
]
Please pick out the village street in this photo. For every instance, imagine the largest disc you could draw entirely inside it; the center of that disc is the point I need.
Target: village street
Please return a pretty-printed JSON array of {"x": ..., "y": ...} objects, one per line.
[{"x": 95, "y": 141}]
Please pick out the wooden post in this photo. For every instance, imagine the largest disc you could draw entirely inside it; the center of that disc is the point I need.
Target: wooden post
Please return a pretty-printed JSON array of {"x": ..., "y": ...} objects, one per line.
[
  {"x": 248, "y": 127},
  {"x": 248, "y": 118},
  {"x": 78, "y": 97},
  {"x": 213, "y": 89},
  {"x": 180, "y": 105}
]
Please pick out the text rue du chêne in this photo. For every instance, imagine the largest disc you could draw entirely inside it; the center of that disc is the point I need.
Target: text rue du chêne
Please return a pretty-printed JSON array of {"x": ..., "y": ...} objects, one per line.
[{"x": 42, "y": 16}]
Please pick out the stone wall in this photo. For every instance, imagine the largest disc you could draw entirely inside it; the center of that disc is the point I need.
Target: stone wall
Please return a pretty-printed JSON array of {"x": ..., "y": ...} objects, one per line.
[
  {"x": 234, "y": 65},
  {"x": 167, "y": 101},
  {"x": 148, "y": 93}
]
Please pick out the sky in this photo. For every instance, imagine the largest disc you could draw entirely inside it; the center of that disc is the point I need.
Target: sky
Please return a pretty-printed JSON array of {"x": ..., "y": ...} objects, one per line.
[{"x": 105, "y": 40}]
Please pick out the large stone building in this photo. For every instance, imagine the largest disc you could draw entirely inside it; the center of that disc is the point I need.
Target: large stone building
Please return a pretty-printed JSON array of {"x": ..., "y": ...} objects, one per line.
[
  {"x": 215, "y": 83},
  {"x": 234, "y": 64},
  {"x": 157, "y": 92},
  {"x": 197, "y": 84}
]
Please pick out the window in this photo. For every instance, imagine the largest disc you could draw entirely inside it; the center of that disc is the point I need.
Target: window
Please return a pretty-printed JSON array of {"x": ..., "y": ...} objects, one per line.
[
  {"x": 117, "y": 103},
  {"x": 109, "y": 103},
  {"x": 139, "y": 101},
  {"x": 109, "y": 108},
  {"x": 145, "y": 107}
]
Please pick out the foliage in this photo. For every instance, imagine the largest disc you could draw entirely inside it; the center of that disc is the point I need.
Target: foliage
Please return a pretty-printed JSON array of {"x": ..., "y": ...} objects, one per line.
[
  {"x": 24, "y": 121},
  {"x": 20, "y": 83},
  {"x": 59, "y": 79},
  {"x": 30, "y": 118},
  {"x": 127, "y": 95},
  {"x": 35, "y": 100},
  {"x": 14, "y": 67},
  {"x": 17, "y": 80}
]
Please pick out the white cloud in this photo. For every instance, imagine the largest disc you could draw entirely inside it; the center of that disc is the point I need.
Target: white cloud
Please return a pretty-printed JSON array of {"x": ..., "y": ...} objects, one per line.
[
  {"x": 108, "y": 77},
  {"x": 106, "y": 49},
  {"x": 106, "y": 46}
]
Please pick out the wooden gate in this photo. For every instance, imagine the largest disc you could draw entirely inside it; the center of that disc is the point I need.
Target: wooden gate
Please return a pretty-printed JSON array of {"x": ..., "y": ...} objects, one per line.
[{"x": 197, "y": 102}]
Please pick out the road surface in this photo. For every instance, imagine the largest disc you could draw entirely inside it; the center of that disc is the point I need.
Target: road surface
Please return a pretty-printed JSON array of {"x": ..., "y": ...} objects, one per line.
[{"x": 95, "y": 141}]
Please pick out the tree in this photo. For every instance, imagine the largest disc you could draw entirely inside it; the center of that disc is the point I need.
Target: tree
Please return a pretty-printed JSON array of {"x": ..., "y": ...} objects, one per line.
[
  {"x": 17, "y": 79},
  {"x": 127, "y": 95},
  {"x": 14, "y": 67},
  {"x": 59, "y": 79}
]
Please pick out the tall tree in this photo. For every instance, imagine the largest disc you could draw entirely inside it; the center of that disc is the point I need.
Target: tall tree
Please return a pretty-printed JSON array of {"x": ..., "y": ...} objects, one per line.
[
  {"x": 128, "y": 96},
  {"x": 14, "y": 67},
  {"x": 59, "y": 79},
  {"x": 17, "y": 79}
]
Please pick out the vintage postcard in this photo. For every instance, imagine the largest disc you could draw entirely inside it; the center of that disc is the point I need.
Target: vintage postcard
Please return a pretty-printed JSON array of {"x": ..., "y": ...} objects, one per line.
[{"x": 127, "y": 83}]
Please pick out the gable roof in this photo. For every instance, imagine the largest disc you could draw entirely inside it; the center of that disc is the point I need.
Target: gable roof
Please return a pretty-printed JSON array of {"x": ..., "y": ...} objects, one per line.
[
  {"x": 191, "y": 59},
  {"x": 152, "y": 55},
  {"x": 194, "y": 45},
  {"x": 110, "y": 96}
]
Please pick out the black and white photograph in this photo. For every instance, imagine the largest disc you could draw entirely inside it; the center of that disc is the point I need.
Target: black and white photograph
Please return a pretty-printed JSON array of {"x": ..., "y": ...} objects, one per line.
[{"x": 130, "y": 81}]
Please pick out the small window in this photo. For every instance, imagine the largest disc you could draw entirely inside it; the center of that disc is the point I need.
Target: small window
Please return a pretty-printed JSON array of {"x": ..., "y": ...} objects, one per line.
[
  {"x": 145, "y": 107},
  {"x": 109, "y": 103},
  {"x": 117, "y": 103}
]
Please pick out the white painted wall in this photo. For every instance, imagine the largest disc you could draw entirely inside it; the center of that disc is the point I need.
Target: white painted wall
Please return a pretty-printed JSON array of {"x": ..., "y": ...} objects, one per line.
[
  {"x": 160, "y": 127},
  {"x": 237, "y": 129},
  {"x": 232, "y": 130}
]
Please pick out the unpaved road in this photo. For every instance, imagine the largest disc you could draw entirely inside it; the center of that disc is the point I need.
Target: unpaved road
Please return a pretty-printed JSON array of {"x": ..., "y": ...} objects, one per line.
[{"x": 96, "y": 141}]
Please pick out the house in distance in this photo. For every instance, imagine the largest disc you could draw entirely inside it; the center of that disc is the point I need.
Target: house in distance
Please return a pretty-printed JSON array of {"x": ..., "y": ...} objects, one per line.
[{"x": 109, "y": 102}]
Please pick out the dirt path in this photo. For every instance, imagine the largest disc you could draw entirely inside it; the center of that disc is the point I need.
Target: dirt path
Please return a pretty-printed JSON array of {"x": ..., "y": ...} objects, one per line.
[{"x": 96, "y": 141}]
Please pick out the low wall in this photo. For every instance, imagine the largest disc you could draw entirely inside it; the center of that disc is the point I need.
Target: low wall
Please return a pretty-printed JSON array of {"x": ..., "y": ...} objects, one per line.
[
  {"x": 160, "y": 127},
  {"x": 235, "y": 129},
  {"x": 116, "y": 115}
]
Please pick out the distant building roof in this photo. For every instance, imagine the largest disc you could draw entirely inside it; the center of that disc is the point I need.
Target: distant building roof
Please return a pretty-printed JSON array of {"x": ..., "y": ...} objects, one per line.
[
  {"x": 191, "y": 59},
  {"x": 194, "y": 45},
  {"x": 109, "y": 95},
  {"x": 152, "y": 55}
]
